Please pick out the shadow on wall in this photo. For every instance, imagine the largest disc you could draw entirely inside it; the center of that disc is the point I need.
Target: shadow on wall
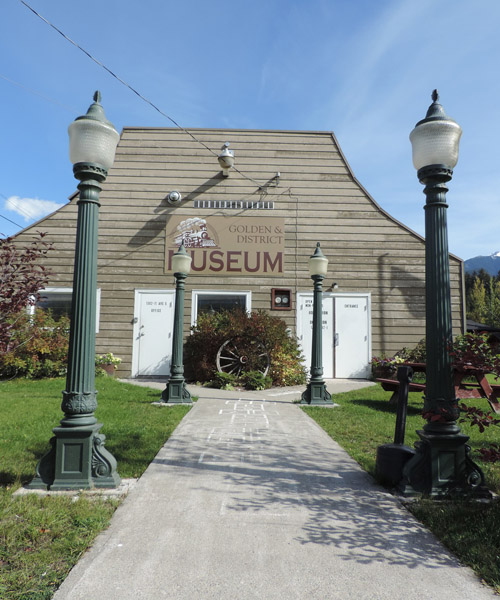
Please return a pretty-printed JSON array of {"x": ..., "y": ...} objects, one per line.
[
  {"x": 410, "y": 289},
  {"x": 156, "y": 226}
]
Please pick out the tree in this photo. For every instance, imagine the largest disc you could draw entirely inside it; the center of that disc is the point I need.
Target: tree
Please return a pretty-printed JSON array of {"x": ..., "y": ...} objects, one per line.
[
  {"x": 493, "y": 306},
  {"x": 476, "y": 301},
  {"x": 22, "y": 276},
  {"x": 483, "y": 298}
]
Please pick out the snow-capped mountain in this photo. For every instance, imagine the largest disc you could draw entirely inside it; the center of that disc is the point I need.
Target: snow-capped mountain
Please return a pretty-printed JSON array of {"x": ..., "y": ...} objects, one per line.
[{"x": 491, "y": 264}]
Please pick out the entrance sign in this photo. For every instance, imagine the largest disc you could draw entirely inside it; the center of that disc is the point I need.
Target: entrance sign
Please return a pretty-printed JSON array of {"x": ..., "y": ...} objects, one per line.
[{"x": 231, "y": 246}]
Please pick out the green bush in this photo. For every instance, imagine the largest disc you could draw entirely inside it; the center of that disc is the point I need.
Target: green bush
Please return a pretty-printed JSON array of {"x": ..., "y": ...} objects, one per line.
[
  {"x": 224, "y": 381},
  {"x": 255, "y": 380},
  {"x": 248, "y": 331},
  {"x": 38, "y": 346}
]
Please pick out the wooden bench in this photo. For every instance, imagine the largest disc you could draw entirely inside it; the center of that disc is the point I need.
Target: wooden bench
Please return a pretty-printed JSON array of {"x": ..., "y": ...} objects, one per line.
[{"x": 464, "y": 390}]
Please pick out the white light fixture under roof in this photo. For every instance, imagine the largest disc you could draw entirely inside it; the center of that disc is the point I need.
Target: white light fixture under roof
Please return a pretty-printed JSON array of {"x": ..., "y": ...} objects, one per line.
[
  {"x": 181, "y": 261},
  {"x": 435, "y": 139},
  {"x": 92, "y": 138},
  {"x": 318, "y": 263},
  {"x": 226, "y": 159}
]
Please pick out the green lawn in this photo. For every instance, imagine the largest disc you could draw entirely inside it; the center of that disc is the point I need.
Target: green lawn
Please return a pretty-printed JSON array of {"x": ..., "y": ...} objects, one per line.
[
  {"x": 364, "y": 420},
  {"x": 41, "y": 538}
]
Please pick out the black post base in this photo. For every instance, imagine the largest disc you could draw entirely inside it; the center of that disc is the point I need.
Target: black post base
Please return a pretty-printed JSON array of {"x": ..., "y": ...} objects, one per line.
[
  {"x": 442, "y": 467},
  {"x": 176, "y": 392},
  {"x": 316, "y": 394},
  {"x": 77, "y": 460}
]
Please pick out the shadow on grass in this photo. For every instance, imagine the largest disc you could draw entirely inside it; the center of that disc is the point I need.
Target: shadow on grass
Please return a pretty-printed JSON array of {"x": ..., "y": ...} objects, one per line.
[{"x": 385, "y": 407}]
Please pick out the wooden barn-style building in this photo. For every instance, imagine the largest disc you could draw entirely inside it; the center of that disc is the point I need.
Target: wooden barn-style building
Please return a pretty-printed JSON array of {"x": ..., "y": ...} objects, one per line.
[{"x": 250, "y": 235}]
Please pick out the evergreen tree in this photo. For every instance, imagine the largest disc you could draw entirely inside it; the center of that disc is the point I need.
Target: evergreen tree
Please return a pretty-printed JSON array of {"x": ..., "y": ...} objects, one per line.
[{"x": 476, "y": 301}]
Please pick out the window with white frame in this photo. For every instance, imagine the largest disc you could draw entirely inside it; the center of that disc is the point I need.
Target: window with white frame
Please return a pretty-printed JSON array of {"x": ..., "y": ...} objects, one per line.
[
  {"x": 58, "y": 300},
  {"x": 218, "y": 300}
]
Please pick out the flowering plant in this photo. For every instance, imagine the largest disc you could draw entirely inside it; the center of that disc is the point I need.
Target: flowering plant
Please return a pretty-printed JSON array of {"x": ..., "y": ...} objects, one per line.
[{"x": 107, "y": 359}]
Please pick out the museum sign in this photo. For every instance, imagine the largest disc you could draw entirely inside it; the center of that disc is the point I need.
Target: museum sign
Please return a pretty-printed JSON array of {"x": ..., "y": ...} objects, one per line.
[{"x": 235, "y": 246}]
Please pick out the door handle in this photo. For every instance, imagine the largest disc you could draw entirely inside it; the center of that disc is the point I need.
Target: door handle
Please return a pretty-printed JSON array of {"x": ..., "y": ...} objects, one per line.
[{"x": 336, "y": 339}]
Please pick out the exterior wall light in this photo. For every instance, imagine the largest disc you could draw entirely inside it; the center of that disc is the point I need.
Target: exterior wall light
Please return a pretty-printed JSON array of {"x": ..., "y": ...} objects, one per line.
[
  {"x": 174, "y": 198},
  {"x": 226, "y": 159}
]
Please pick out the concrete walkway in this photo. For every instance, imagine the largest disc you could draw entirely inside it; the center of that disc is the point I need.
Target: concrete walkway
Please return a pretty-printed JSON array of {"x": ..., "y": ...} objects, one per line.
[{"x": 250, "y": 499}]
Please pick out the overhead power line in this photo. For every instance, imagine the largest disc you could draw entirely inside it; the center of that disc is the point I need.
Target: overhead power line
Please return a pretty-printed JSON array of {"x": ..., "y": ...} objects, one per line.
[
  {"x": 35, "y": 93},
  {"x": 11, "y": 221},
  {"x": 20, "y": 209},
  {"x": 132, "y": 89}
]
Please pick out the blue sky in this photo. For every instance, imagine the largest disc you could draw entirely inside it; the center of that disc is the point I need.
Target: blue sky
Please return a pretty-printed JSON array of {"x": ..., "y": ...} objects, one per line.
[{"x": 363, "y": 69}]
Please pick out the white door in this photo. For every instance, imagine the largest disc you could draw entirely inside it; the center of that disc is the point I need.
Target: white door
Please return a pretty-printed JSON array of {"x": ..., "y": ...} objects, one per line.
[
  {"x": 304, "y": 330},
  {"x": 352, "y": 337},
  {"x": 153, "y": 330}
]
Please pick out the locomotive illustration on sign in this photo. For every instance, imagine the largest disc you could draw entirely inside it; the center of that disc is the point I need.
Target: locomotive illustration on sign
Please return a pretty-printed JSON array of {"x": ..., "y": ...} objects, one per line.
[{"x": 193, "y": 233}]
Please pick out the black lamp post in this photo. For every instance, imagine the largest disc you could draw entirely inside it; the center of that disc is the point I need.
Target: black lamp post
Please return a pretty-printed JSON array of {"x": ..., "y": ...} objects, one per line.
[
  {"x": 441, "y": 465},
  {"x": 316, "y": 392},
  {"x": 77, "y": 458},
  {"x": 176, "y": 391}
]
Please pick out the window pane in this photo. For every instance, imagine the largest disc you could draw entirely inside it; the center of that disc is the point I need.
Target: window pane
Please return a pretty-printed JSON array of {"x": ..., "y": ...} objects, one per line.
[
  {"x": 58, "y": 302},
  {"x": 217, "y": 303}
]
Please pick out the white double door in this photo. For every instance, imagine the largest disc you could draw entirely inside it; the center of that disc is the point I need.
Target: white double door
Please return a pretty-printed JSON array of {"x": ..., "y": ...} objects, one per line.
[
  {"x": 153, "y": 330},
  {"x": 346, "y": 333}
]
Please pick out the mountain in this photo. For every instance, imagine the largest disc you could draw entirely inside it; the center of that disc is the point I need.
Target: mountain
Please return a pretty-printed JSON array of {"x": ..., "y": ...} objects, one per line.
[{"x": 491, "y": 264}]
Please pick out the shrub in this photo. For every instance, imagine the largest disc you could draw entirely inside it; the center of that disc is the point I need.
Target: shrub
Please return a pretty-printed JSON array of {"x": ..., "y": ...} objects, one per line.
[
  {"x": 213, "y": 329},
  {"x": 38, "y": 346},
  {"x": 473, "y": 350},
  {"x": 383, "y": 366},
  {"x": 22, "y": 275},
  {"x": 255, "y": 380},
  {"x": 224, "y": 381}
]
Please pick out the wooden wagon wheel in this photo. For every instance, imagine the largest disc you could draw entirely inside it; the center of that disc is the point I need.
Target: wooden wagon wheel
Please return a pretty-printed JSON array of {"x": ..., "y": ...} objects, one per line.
[{"x": 242, "y": 354}]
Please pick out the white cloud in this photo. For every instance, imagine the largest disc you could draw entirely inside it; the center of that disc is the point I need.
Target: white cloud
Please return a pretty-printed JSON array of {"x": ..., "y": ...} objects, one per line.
[{"x": 31, "y": 208}]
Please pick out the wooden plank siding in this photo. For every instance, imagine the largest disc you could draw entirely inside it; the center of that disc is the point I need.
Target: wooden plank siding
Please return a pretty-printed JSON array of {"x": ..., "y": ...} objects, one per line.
[{"x": 318, "y": 197}]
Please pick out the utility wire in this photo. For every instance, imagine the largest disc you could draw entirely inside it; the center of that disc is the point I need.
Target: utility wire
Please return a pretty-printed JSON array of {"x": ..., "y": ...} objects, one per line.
[
  {"x": 18, "y": 208},
  {"x": 132, "y": 89},
  {"x": 35, "y": 93},
  {"x": 13, "y": 222}
]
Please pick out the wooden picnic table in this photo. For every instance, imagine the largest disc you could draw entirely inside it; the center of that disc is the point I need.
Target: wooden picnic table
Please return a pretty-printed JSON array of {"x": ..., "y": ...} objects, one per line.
[{"x": 464, "y": 390}]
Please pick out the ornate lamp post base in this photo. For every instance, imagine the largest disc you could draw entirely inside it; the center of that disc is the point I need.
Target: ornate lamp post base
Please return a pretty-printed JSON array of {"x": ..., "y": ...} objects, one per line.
[
  {"x": 176, "y": 392},
  {"x": 442, "y": 467},
  {"x": 316, "y": 394},
  {"x": 77, "y": 460}
]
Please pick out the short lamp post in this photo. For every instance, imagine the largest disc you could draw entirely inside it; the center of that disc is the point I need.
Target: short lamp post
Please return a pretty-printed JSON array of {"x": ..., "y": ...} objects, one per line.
[
  {"x": 176, "y": 391},
  {"x": 316, "y": 392},
  {"x": 77, "y": 458},
  {"x": 441, "y": 465}
]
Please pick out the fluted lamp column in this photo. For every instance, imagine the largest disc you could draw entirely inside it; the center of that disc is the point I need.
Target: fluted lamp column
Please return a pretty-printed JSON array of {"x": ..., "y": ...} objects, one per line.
[
  {"x": 441, "y": 465},
  {"x": 176, "y": 391},
  {"x": 316, "y": 392},
  {"x": 77, "y": 458}
]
